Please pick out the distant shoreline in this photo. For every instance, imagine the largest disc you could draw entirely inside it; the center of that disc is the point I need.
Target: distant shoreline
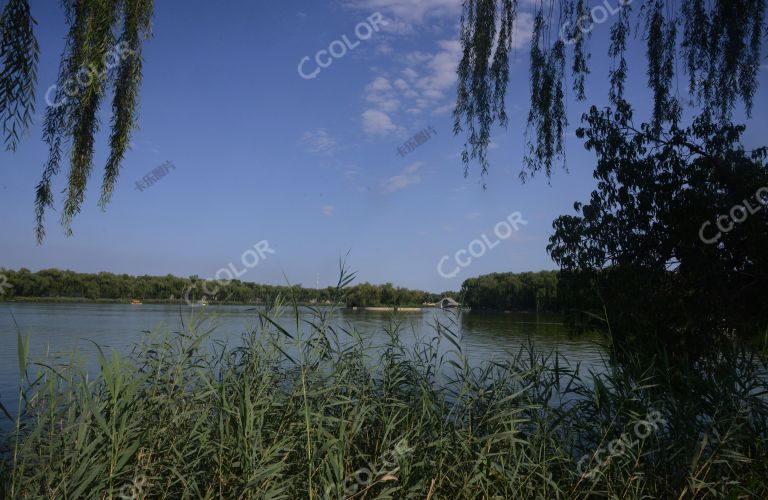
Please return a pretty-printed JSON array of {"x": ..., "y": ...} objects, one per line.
[
  {"x": 402, "y": 309},
  {"x": 81, "y": 300}
]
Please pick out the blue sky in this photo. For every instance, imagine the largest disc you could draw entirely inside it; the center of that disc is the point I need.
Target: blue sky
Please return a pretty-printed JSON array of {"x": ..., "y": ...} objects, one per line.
[{"x": 309, "y": 165}]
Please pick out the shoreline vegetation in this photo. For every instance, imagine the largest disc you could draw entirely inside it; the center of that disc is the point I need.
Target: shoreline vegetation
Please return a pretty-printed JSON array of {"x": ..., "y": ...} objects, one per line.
[
  {"x": 81, "y": 300},
  {"x": 533, "y": 292},
  {"x": 313, "y": 411},
  {"x": 408, "y": 308}
]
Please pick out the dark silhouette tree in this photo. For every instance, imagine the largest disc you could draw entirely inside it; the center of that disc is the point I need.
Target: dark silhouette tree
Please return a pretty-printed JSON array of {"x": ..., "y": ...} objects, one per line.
[{"x": 672, "y": 244}]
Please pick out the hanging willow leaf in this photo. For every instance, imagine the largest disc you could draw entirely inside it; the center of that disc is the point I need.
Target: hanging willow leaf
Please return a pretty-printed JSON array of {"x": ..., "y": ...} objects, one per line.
[
  {"x": 483, "y": 73},
  {"x": 617, "y": 51},
  {"x": 103, "y": 52},
  {"x": 19, "y": 52},
  {"x": 547, "y": 117},
  {"x": 126, "y": 99},
  {"x": 662, "y": 37},
  {"x": 580, "y": 68},
  {"x": 98, "y": 18},
  {"x": 720, "y": 49}
]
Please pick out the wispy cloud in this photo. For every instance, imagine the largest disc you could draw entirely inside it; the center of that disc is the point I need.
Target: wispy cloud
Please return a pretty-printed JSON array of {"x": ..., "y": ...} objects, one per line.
[
  {"x": 421, "y": 84},
  {"x": 320, "y": 141},
  {"x": 523, "y": 30},
  {"x": 412, "y": 11},
  {"x": 428, "y": 77},
  {"x": 381, "y": 95},
  {"x": 376, "y": 122},
  {"x": 409, "y": 177},
  {"x": 404, "y": 16},
  {"x": 328, "y": 210}
]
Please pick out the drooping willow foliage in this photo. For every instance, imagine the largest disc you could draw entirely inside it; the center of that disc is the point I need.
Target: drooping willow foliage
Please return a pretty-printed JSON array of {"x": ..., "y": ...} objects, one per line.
[
  {"x": 18, "y": 56},
  {"x": 105, "y": 40},
  {"x": 102, "y": 54},
  {"x": 716, "y": 43}
]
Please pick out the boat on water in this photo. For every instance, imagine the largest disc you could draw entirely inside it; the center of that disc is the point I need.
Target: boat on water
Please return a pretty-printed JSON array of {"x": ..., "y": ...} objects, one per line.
[{"x": 136, "y": 303}]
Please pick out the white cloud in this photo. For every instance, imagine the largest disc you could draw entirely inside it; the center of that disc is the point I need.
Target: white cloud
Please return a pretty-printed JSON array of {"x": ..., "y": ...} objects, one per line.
[
  {"x": 380, "y": 85},
  {"x": 413, "y": 11},
  {"x": 441, "y": 69},
  {"x": 443, "y": 110},
  {"x": 410, "y": 74},
  {"x": 402, "y": 85},
  {"x": 417, "y": 58},
  {"x": 422, "y": 82},
  {"x": 523, "y": 31},
  {"x": 399, "y": 182},
  {"x": 422, "y": 85},
  {"x": 402, "y": 16},
  {"x": 409, "y": 177},
  {"x": 377, "y": 122},
  {"x": 328, "y": 210},
  {"x": 413, "y": 168},
  {"x": 381, "y": 94},
  {"x": 320, "y": 141}
]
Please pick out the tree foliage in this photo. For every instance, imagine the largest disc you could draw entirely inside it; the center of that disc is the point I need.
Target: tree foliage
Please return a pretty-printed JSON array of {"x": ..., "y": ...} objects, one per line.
[
  {"x": 55, "y": 283},
  {"x": 716, "y": 43},
  {"x": 512, "y": 292},
  {"x": 647, "y": 242},
  {"x": 19, "y": 54},
  {"x": 102, "y": 53}
]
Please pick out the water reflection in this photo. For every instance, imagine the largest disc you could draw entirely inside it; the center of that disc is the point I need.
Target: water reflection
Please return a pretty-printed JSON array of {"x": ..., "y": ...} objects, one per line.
[{"x": 62, "y": 328}]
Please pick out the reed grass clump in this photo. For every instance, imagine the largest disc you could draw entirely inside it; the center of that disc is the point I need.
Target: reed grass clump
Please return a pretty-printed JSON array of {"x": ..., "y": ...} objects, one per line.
[{"x": 311, "y": 410}]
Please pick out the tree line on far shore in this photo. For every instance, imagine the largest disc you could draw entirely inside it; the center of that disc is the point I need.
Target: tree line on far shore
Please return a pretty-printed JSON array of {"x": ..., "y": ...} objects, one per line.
[
  {"x": 60, "y": 284},
  {"x": 493, "y": 292},
  {"x": 512, "y": 292}
]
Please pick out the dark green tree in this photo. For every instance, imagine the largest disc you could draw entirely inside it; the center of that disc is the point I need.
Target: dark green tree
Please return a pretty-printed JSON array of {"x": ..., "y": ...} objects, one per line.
[
  {"x": 512, "y": 292},
  {"x": 672, "y": 243}
]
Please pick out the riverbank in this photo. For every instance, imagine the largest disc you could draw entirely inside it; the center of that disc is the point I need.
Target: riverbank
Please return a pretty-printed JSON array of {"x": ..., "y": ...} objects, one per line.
[
  {"x": 80, "y": 300},
  {"x": 51, "y": 284},
  {"x": 392, "y": 309}
]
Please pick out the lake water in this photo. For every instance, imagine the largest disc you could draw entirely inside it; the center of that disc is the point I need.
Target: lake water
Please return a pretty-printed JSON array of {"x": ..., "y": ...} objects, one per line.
[{"x": 63, "y": 328}]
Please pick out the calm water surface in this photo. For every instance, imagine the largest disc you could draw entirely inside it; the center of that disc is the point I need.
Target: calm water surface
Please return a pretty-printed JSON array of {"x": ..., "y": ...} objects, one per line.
[{"x": 63, "y": 328}]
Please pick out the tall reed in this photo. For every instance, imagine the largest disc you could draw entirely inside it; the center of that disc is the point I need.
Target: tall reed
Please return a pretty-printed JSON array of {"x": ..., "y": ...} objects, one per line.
[{"x": 314, "y": 411}]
